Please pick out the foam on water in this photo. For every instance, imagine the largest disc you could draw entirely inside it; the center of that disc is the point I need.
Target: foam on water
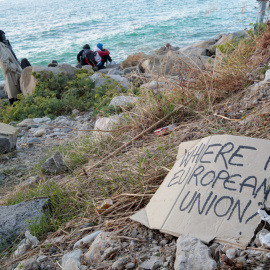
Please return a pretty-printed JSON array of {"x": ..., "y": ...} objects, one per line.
[{"x": 44, "y": 30}]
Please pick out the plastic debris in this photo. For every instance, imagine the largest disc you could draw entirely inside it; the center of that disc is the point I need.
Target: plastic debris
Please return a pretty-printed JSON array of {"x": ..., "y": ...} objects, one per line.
[
  {"x": 265, "y": 239},
  {"x": 165, "y": 130},
  {"x": 105, "y": 205},
  {"x": 264, "y": 216}
]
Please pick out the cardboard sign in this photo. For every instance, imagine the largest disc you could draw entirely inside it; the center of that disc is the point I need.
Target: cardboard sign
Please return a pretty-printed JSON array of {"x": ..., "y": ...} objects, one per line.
[{"x": 214, "y": 190}]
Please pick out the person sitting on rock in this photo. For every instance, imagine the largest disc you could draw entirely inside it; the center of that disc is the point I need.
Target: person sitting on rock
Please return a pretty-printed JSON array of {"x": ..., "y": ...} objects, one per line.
[
  {"x": 10, "y": 67},
  {"x": 104, "y": 54},
  {"x": 81, "y": 56}
]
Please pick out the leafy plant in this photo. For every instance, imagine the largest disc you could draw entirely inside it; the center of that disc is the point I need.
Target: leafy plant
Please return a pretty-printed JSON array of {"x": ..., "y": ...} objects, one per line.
[{"x": 58, "y": 95}]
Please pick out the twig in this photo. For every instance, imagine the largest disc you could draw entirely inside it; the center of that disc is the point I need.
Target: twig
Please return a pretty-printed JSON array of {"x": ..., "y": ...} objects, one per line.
[
  {"x": 221, "y": 116},
  {"x": 132, "y": 195},
  {"x": 60, "y": 265}
]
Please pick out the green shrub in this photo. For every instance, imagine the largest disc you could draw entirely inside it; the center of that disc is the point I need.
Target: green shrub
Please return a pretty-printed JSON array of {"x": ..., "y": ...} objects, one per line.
[{"x": 58, "y": 95}]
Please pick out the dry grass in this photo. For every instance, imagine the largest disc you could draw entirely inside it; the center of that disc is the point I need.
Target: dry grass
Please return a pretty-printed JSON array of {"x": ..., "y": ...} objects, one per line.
[{"x": 132, "y": 175}]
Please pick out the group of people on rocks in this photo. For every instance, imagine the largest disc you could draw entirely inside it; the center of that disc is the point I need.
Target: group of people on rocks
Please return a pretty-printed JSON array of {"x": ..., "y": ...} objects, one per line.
[
  {"x": 97, "y": 58},
  {"x": 12, "y": 68}
]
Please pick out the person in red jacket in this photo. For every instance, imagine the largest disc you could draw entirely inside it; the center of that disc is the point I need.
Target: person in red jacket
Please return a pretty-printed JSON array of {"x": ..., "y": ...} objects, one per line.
[{"x": 104, "y": 54}]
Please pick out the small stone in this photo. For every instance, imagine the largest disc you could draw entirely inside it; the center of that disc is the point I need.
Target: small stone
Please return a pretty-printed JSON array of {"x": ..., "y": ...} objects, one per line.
[
  {"x": 75, "y": 112},
  {"x": 87, "y": 239},
  {"x": 72, "y": 260},
  {"x": 31, "y": 264},
  {"x": 34, "y": 141},
  {"x": 231, "y": 253},
  {"x": 153, "y": 263},
  {"x": 120, "y": 263},
  {"x": 130, "y": 265},
  {"x": 134, "y": 233},
  {"x": 54, "y": 164},
  {"x": 39, "y": 132},
  {"x": 163, "y": 242},
  {"x": 42, "y": 258}
]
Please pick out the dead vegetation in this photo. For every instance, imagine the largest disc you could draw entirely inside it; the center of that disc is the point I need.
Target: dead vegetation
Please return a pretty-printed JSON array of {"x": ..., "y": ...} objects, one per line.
[{"x": 129, "y": 165}]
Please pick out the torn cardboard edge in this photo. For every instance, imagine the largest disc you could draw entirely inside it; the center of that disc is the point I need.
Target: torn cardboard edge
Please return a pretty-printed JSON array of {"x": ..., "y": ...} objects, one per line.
[{"x": 214, "y": 190}]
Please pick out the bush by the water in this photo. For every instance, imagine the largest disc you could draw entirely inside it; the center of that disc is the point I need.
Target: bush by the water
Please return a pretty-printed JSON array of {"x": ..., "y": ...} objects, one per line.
[{"x": 57, "y": 95}]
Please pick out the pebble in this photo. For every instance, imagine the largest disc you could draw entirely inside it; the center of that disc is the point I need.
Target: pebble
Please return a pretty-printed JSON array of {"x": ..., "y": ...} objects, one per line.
[{"x": 130, "y": 265}]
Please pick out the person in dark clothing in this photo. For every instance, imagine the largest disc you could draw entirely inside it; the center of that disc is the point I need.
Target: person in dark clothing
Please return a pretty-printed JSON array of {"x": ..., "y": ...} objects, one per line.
[
  {"x": 25, "y": 63},
  {"x": 53, "y": 64},
  {"x": 80, "y": 56}
]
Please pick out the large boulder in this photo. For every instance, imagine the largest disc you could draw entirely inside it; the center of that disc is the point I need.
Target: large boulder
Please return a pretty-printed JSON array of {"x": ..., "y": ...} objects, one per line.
[
  {"x": 231, "y": 37},
  {"x": 133, "y": 60},
  {"x": 28, "y": 81},
  {"x": 15, "y": 219},
  {"x": 192, "y": 254},
  {"x": 8, "y": 138},
  {"x": 163, "y": 50},
  {"x": 201, "y": 48},
  {"x": 173, "y": 63},
  {"x": 100, "y": 79}
]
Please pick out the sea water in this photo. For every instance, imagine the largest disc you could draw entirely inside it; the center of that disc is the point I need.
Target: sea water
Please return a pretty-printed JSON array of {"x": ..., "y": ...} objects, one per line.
[{"x": 46, "y": 30}]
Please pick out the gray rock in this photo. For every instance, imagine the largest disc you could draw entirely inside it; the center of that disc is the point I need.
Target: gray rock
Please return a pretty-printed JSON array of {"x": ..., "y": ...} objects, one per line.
[
  {"x": 123, "y": 101},
  {"x": 68, "y": 69},
  {"x": 153, "y": 263},
  {"x": 31, "y": 264},
  {"x": 102, "y": 242},
  {"x": 192, "y": 254},
  {"x": 8, "y": 138},
  {"x": 14, "y": 218},
  {"x": 120, "y": 263},
  {"x": 34, "y": 141},
  {"x": 89, "y": 239},
  {"x": 267, "y": 76},
  {"x": 54, "y": 164},
  {"x": 42, "y": 258},
  {"x": 130, "y": 265},
  {"x": 72, "y": 260},
  {"x": 231, "y": 253},
  {"x": 129, "y": 70},
  {"x": 3, "y": 94},
  {"x": 39, "y": 132},
  {"x": 231, "y": 37},
  {"x": 25, "y": 123},
  {"x": 44, "y": 119},
  {"x": 100, "y": 80},
  {"x": 28, "y": 81},
  {"x": 2, "y": 177},
  {"x": 111, "y": 71}
]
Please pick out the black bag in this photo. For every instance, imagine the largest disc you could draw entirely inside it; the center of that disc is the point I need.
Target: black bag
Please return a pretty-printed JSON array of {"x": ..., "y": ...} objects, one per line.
[{"x": 90, "y": 57}]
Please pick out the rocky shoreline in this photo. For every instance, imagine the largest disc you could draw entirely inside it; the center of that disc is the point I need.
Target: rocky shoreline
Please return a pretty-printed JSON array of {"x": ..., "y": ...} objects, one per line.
[{"x": 133, "y": 247}]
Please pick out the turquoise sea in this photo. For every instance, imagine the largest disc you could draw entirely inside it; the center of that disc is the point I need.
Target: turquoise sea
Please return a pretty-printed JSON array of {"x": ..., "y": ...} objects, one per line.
[{"x": 45, "y": 30}]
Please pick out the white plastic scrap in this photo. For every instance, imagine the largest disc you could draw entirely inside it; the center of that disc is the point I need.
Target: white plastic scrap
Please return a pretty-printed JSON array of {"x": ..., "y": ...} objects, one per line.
[
  {"x": 265, "y": 239},
  {"x": 264, "y": 215}
]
